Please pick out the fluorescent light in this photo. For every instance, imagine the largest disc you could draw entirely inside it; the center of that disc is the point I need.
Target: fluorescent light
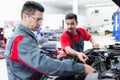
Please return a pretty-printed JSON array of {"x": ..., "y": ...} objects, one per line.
[
  {"x": 47, "y": 0},
  {"x": 100, "y": 4}
]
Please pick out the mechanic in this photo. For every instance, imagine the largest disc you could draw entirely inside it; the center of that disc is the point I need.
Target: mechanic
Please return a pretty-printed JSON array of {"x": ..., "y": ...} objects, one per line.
[
  {"x": 25, "y": 60},
  {"x": 72, "y": 40}
]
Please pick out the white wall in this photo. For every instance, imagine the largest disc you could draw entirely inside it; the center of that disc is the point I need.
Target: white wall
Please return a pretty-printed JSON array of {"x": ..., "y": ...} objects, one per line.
[
  {"x": 52, "y": 10},
  {"x": 82, "y": 11},
  {"x": 96, "y": 20},
  {"x": 53, "y": 21},
  {"x": 10, "y": 10}
]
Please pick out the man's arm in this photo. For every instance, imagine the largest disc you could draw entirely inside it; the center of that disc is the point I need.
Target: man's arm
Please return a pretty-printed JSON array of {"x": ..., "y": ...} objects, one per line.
[
  {"x": 80, "y": 55},
  {"x": 94, "y": 44},
  {"x": 33, "y": 57}
]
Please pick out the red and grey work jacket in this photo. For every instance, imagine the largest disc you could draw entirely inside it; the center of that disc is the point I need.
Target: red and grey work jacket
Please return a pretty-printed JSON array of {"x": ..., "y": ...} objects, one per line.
[{"x": 26, "y": 61}]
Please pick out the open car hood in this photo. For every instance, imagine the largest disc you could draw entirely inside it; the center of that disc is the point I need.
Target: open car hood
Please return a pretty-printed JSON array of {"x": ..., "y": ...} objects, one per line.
[{"x": 117, "y": 2}]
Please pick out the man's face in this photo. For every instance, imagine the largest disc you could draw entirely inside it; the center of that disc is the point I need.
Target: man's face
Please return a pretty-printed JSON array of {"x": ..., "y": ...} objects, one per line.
[
  {"x": 71, "y": 24},
  {"x": 35, "y": 21}
]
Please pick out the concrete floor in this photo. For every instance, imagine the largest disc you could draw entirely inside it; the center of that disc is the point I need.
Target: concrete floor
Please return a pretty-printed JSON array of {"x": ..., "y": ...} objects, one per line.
[
  {"x": 3, "y": 71},
  {"x": 102, "y": 40}
]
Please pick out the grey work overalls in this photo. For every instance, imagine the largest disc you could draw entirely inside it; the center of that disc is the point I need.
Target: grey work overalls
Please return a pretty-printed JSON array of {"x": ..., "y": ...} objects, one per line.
[{"x": 78, "y": 46}]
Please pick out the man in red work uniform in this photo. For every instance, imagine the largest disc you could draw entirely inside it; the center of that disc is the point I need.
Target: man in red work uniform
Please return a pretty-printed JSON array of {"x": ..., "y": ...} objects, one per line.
[{"x": 72, "y": 40}]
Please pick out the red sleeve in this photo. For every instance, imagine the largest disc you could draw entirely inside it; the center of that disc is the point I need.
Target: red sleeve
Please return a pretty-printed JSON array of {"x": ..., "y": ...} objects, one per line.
[
  {"x": 85, "y": 35},
  {"x": 65, "y": 40}
]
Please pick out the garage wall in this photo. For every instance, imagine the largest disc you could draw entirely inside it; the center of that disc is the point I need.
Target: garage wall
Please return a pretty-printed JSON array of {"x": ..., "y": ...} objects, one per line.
[{"x": 100, "y": 16}]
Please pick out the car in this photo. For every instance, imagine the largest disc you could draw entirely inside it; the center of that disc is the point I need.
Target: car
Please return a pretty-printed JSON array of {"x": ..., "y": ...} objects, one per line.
[{"x": 106, "y": 30}]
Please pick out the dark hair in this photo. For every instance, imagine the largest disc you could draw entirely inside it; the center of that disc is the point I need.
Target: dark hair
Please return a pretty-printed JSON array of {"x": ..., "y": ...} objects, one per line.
[
  {"x": 71, "y": 16},
  {"x": 30, "y": 7}
]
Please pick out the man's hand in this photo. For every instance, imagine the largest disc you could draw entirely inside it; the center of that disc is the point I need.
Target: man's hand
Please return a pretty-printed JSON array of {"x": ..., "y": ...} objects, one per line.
[
  {"x": 61, "y": 53},
  {"x": 82, "y": 57},
  {"x": 88, "y": 69},
  {"x": 96, "y": 46}
]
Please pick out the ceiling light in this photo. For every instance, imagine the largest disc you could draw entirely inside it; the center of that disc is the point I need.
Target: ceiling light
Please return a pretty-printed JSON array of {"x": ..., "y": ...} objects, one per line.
[
  {"x": 100, "y": 4},
  {"x": 47, "y": 0}
]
